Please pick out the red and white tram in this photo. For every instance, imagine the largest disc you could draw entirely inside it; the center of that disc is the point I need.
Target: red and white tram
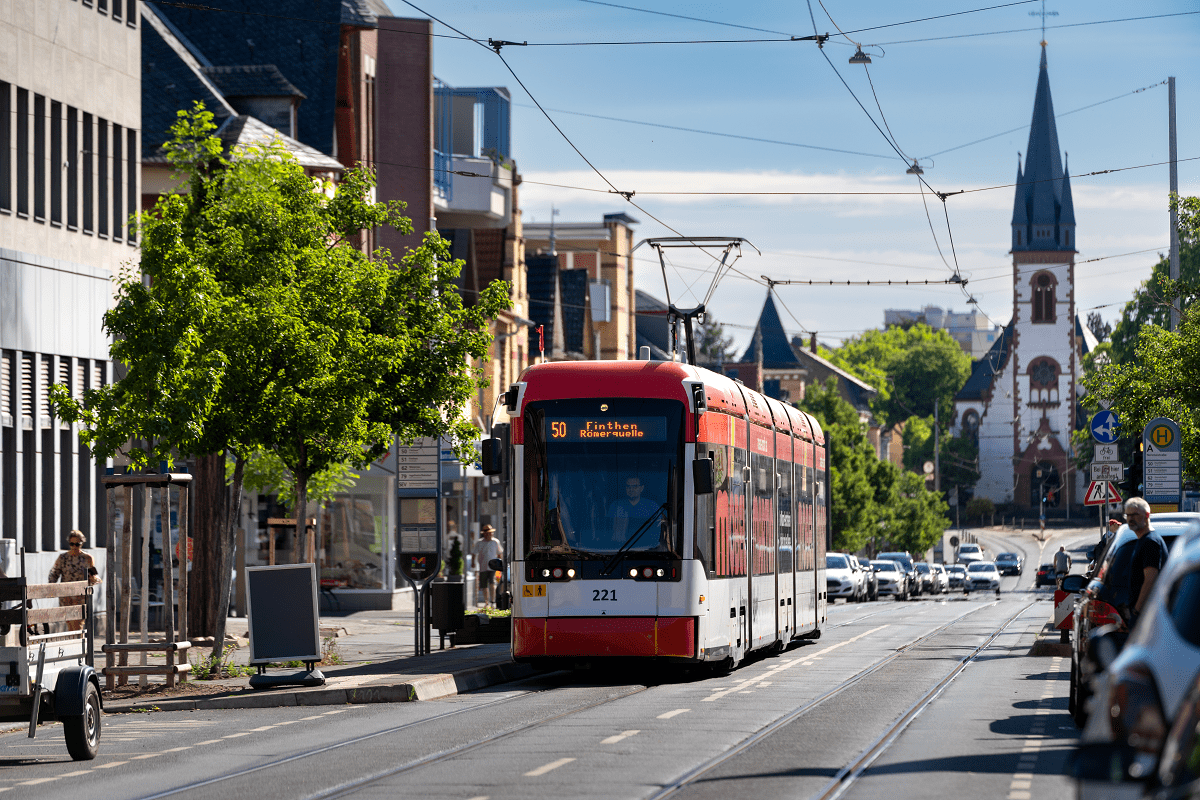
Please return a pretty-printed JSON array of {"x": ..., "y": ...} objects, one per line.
[{"x": 662, "y": 510}]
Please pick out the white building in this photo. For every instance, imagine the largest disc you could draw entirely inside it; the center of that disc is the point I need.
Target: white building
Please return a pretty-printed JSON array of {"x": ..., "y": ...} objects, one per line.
[
  {"x": 70, "y": 119},
  {"x": 1022, "y": 397},
  {"x": 972, "y": 330}
]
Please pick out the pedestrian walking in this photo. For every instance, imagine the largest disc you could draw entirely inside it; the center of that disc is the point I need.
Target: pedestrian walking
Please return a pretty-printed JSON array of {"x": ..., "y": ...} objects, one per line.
[
  {"x": 1149, "y": 556},
  {"x": 486, "y": 549},
  {"x": 1062, "y": 565},
  {"x": 74, "y": 565}
]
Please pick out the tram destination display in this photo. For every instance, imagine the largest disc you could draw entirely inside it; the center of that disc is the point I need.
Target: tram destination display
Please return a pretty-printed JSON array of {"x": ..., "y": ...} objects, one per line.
[{"x": 606, "y": 429}]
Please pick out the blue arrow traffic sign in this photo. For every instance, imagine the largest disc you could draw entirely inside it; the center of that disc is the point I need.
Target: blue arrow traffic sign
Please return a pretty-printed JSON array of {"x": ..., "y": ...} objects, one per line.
[{"x": 1105, "y": 426}]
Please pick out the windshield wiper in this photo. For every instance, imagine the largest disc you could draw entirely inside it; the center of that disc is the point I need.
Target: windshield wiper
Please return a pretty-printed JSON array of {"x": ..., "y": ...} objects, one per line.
[{"x": 631, "y": 541}]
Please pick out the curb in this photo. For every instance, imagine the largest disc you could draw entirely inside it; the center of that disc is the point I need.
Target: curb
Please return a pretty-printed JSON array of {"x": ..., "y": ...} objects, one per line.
[
  {"x": 426, "y": 687},
  {"x": 1047, "y": 644}
]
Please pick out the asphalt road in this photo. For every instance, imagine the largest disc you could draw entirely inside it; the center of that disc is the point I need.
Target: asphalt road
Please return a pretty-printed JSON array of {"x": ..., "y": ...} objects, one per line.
[{"x": 935, "y": 697}]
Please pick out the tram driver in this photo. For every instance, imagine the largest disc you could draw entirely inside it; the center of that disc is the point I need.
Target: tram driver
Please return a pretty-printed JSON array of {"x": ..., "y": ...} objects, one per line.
[{"x": 631, "y": 512}]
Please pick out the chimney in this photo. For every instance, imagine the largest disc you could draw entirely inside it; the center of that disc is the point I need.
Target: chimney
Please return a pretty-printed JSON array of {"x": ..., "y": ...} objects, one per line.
[{"x": 812, "y": 343}]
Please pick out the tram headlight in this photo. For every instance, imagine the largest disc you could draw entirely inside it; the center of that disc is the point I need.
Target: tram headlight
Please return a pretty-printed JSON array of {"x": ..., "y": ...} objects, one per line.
[
  {"x": 545, "y": 573},
  {"x": 633, "y": 573},
  {"x": 571, "y": 573},
  {"x": 660, "y": 573}
]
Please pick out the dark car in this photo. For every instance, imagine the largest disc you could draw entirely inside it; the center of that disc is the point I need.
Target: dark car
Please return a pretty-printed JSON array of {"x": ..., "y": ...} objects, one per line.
[
  {"x": 1105, "y": 599},
  {"x": 1009, "y": 564},
  {"x": 906, "y": 563},
  {"x": 1045, "y": 575}
]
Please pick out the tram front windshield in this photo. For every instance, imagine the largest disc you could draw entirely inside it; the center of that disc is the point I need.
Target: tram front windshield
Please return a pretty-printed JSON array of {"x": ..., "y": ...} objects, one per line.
[{"x": 603, "y": 476}]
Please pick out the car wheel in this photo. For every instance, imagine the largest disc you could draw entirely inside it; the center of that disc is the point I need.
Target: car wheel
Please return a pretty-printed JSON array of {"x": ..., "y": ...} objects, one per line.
[{"x": 82, "y": 732}]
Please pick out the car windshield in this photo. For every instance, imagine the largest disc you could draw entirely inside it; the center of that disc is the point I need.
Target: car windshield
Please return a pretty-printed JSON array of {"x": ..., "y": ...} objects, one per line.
[
  {"x": 885, "y": 566},
  {"x": 602, "y": 476},
  {"x": 1007, "y": 557},
  {"x": 982, "y": 566},
  {"x": 922, "y": 567},
  {"x": 836, "y": 562},
  {"x": 957, "y": 568},
  {"x": 969, "y": 548}
]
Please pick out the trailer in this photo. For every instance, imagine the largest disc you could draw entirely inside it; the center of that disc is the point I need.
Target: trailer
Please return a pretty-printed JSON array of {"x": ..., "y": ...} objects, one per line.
[{"x": 50, "y": 676}]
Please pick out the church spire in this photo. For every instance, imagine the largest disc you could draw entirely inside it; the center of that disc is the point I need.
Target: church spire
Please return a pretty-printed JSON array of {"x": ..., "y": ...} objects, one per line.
[{"x": 1040, "y": 202}]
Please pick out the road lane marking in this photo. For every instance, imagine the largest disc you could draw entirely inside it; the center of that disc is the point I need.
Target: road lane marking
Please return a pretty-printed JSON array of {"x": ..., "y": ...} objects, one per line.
[
  {"x": 38, "y": 780},
  {"x": 75, "y": 773},
  {"x": 1021, "y": 785},
  {"x": 1019, "y": 796},
  {"x": 236, "y": 735},
  {"x": 674, "y": 713},
  {"x": 263, "y": 728},
  {"x": 288, "y": 722},
  {"x": 145, "y": 755},
  {"x": 306, "y": 719},
  {"x": 210, "y": 741},
  {"x": 338, "y": 711},
  {"x": 618, "y": 737},
  {"x": 178, "y": 749},
  {"x": 750, "y": 682},
  {"x": 110, "y": 765},
  {"x": 542, "y": 770}
]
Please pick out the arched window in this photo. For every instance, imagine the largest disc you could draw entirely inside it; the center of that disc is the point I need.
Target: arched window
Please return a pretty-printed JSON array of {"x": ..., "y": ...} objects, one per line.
[
  {"x": 1043, "y": 381},
  {"x": 1043, "y": 297},
  {"x": 970, "y": 423}
]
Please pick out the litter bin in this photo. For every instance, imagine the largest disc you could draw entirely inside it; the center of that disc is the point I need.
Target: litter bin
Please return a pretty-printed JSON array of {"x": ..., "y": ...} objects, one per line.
[{"x": 449, "y": 608}]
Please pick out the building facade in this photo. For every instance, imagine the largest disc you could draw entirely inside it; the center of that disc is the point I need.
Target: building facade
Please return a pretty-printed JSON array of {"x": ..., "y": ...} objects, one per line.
[
  {"x": 1021, "y": 400},
  {"x": 973, "y": 331},
  {"x": 70, "y": 121}
]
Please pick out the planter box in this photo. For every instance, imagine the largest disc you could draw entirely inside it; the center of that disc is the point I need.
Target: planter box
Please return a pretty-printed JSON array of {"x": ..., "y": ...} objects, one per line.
[{"x": 482, "y": 629}]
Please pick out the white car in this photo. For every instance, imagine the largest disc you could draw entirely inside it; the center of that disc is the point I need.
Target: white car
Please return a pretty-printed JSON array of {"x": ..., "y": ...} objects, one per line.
[
  {"x": 968, "y": 553},
  {"x": 941, "y": 579},
  {"x": 840, "y": 579},
  {"x": 957, "y": 574},
  {"x": 982, "y": 576},
  {"x": 893, "y": 581}
]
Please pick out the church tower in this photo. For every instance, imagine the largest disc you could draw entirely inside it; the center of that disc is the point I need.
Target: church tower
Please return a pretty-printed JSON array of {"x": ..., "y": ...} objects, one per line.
[
  {"x": 1021, "y": 399},
  {"x": 1045, "y": 364}
]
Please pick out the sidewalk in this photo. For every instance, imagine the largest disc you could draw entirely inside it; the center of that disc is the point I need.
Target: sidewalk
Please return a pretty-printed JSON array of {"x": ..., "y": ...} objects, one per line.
[{"x": 378, "y": 666}]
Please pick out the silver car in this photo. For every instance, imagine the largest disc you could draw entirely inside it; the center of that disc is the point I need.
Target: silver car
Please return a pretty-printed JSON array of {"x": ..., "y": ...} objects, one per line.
[{"x": 982, "y": 576}]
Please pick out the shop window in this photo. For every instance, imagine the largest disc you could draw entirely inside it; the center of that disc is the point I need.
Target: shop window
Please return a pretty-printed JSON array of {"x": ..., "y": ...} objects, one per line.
[
  {"x": 353, "y": 528},
  {"x": 1043, "y": 297}
]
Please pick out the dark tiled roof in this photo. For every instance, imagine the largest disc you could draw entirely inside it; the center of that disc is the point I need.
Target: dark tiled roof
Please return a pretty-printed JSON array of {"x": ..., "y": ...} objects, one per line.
[
  {"x": 777, "y": 352},
  {"x": 1042, "y": 199},
  {"x": 251, "y": 80},
  {"x": 364, "y": 13},
  {"x": 985, "y": 370},
  {"x": 170, "y": 83},
  {"x": 300, "y": 37}
]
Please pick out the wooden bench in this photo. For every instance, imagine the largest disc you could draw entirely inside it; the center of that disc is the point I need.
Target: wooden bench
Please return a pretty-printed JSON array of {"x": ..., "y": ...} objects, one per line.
[{"x": 170, "y": 669}]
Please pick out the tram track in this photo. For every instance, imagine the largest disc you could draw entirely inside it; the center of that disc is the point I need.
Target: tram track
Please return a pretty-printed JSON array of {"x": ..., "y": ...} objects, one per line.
[
  {"x": 349, "y": 787},
  {"x": 850, "y": 774}
]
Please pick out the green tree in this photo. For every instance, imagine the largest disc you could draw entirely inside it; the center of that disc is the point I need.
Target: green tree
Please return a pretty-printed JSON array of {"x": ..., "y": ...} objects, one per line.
[
  {"x": 263, "y": 326},
  {"x": 910, "y": 366},
  {"x": 958, "y": 458}
]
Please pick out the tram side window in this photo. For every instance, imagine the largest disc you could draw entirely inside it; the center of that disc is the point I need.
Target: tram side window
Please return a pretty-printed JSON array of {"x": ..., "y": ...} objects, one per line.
[
  {"x": 737, "y": 514},
  {"x": 763, "y": 515},
  {"x": 786, "y": 518},
  {"x": 536, "y": 481},
  {"x": 705, "y": 527}
]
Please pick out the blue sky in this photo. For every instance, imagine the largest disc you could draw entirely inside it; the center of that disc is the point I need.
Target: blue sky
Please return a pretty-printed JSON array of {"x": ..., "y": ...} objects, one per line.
[{"x": 936, "y": 95}]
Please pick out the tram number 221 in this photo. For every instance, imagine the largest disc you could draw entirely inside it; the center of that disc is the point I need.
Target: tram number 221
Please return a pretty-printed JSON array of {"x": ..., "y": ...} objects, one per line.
[
  {"x": 604, "y": 594},
  {"x": 558, "y": 430}
]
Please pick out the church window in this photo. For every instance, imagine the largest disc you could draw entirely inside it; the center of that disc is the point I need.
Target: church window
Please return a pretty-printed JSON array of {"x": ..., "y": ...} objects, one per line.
[
  {"x": 1043, "y": 298},
  {"x": 1043, "y": 381}
]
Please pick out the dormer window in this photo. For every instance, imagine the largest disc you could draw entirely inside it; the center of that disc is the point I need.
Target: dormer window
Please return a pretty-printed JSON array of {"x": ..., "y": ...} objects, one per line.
[{"x": 1043, "y": 285}]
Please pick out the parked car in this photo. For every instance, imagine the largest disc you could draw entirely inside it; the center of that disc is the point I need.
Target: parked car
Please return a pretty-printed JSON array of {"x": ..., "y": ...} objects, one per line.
[
  {"x": 1103, "y": 599},
  {"x": 1142, "y": 689},
  {"x": 1045, "y": 576},
  {"x": 925, "y": 577},
  {"x": 870, "y": 582},
  {"x": 910, "y": 570},
  {"x": 893, "y": 580},
  {"x": 982, "y": 576},
  {"x": 1010, "y": 564},
  {"x": 941, "y": 579},
  {"x": 969, "y": 552},
  {"x": 957, "y": 575},
  {"x": 840, "y": 578},
  {"x": 1179, "y": 765}
]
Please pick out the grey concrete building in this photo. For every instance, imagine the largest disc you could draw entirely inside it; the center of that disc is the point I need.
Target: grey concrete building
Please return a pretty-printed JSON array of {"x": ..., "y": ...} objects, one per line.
[{"x": 70, "y": 118}]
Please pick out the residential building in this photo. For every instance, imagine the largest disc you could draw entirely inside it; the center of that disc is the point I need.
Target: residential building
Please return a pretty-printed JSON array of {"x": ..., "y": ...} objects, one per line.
[
  {"x": 972, "y": 330},
  {"x": 1022, "y": 398},
  {"x": 70, "y": 121}
]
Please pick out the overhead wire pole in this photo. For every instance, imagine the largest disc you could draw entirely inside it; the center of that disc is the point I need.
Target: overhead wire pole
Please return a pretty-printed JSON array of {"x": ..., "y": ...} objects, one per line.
[{"x": 1174, "y": 157}]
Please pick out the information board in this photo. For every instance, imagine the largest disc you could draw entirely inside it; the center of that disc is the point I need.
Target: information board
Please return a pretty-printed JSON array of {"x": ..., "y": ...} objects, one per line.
[
  {"x": 417, "y": 466},
  {"x": 1162, "y": 464},
  {"x": 281, "y": 608}
]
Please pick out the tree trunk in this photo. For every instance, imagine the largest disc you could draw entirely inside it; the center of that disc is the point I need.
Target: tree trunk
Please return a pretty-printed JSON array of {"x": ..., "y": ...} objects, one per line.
[
  {"x": 224, "y": 554},
  {"x": 209, "y": 503},
  {"x": 300, "y": 474}
]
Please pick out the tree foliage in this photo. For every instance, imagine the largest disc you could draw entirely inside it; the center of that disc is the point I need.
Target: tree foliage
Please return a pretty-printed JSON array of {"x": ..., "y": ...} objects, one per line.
[
  {"x": 870, "y": 498},
  {"x": 910, "y": 366},
  {"x": 713, "y": 345},
  {"x": 262, "y": 325},
  {"x": 1099, "y": 328}
]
